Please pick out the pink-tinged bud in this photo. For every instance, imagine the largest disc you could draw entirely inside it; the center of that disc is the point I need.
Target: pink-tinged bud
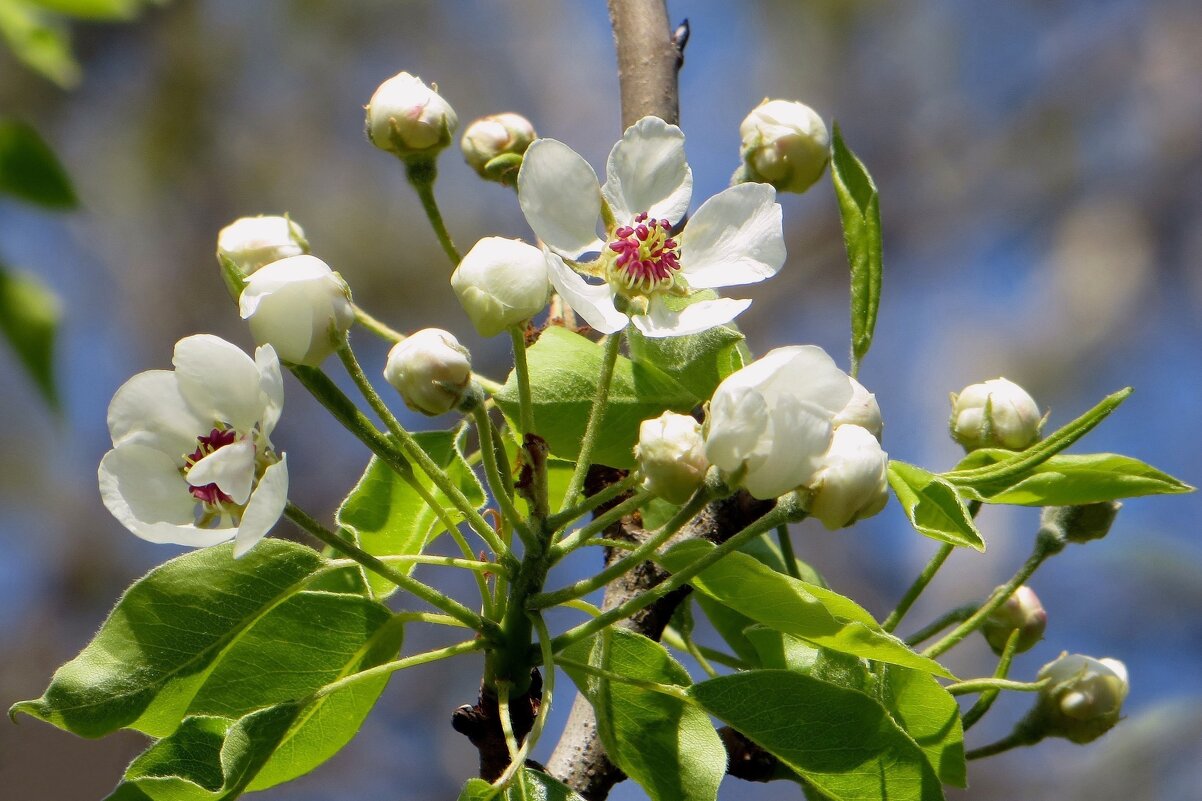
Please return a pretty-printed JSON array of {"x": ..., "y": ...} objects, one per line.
[
  {"x": 995, "y": 414},
  {"x": 1023, "y": 612},
  {"x": 431, "y": 370},
  {"x": 408, "y": 118}
]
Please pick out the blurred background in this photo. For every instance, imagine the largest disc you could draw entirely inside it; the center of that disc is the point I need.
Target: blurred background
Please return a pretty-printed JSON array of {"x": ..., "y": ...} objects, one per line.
[{"x": 1040, "y": 170}]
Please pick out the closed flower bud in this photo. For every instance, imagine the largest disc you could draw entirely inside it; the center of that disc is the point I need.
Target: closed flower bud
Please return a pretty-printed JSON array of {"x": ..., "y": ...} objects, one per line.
[
  {"x": 408, "y": 118},
  {"x": 785, "y": 144},
  {"x": 489, "y": 138},
  {"x": 1083, "y": 698},
  {"x": 501, "y": 282},
  {"x": 1021, "y": 612},
  {"x": 299, "y": 306},
  {"x": 431, "y": 370},
  {"x": 671, "y": 454},
  {"x": 252, "y": 242},
  {"x": 1080, "y": 524},
  {"x": 851, "y": 482},
  {"x": 995, "y": 414},
  {"x": 862, "y": 410}
]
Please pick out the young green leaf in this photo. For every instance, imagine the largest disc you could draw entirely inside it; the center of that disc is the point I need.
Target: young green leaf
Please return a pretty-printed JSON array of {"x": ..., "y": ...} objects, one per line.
[
  {"x": 564, "y": 368},
  {"x": 41, "y": 45},
  {"x": 387, "y": 517},
  {"x": 665, "y": 744},
  {"x": 29, "y": 316},
  {"x": 933, "y": 506},
  {"x": 855, "y": 753},
  {"x": 29, "y": 170},
  {"x": 795, "y": 607},
  {"x": 860, "y": 211},
  {"x": 527, "y": 785}
]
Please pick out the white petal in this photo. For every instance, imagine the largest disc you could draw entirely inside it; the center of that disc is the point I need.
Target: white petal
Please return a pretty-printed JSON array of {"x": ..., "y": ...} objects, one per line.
[
  {"x": 148, "y": 409},
  {"x": 287, "y": 321},
  {"x": 561, "y": 197},
  {"x": 805, "y": 372},
  {"x": 266, "y": 505},
  {"x": 143, "y": 489},
  {"x": 801, "y": 434},
  {"x": 231, "y": 468},
  {"x": 219, "y": 381},
  {"x": 660, "y": 321},
  {"x": 595, "y": 303},
  {"x": 738, "y": 420},
  {"x": 271, "y": 383},
  {"x": 276, "y": 276},
  {"x": 647, "y": 171},
  {"x": 734, "y": 238}
]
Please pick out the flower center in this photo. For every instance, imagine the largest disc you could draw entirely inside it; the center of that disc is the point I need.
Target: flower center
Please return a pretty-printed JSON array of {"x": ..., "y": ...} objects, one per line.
[
  {"x": 642, "y": 258},
  {"x": 210, "y": 494}
]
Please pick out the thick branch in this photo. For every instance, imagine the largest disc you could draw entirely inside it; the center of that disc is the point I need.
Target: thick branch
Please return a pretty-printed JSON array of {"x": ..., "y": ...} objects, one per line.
[{"x": 648, "y": 59}]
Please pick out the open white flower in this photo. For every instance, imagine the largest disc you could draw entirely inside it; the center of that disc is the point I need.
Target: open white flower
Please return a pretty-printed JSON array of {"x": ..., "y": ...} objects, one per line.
[
  {"x": 734, "y": 238},
  {"x": 192, "y": 462},
  {"x": 770, "y": 423}
]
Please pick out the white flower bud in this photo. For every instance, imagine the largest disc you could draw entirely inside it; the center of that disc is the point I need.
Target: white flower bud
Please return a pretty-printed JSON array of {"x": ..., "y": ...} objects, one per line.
[
  {"x": 1023, "y": 612},
  {"x": 501, "y": 282},
  {"x": 785, "y": 144},
  {"x": 431, "y": 370},
  {"x": 497, "y": 135},
  {"x": 862, "y": 410},
  {"x": 851, "y": 482},
  {"x": 671, "y": 454},
  {"x": 408, "y": 118},
  {"x": 299, "y": 306},
  {"x": 1083, "y": 699},
  {"x": 995, "y": 414},
  {"x": 251, "y": 242}
]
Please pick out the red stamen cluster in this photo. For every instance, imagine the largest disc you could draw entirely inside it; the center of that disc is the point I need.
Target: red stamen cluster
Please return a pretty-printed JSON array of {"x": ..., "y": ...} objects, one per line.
[
  {"x": 647, "y": 257},
  {"x": 215, "y": 439}
]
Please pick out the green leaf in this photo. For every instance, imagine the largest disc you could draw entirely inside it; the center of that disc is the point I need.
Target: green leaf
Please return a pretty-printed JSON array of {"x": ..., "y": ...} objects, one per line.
[
  {"x": 29, "y": 170},
  {"x": 1071, "y": 480},
  {"x": 164, "y": 638},
  {"x": 386, "y": 516},
  {"x": 814, "y": 613},
  {"x": 29, "y": 316},
  {"x": 933, "y": 506},
  {"x": 42, "y": 46},
  {"x": 108, "y": 10},
  {"x": 527, "y": 785},
  {"x": 840, "y": 740},
  {"x": 698, "y": 362},
  {"x": 564, "y": 368},
  {"x": 860, "y": 210},
  {"x": 665, "y": 744}
]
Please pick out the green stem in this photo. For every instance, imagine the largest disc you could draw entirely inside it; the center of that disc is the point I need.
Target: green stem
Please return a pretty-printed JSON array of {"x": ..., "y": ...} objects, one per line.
[
  {"x": 607, "y": 542},
  {"x": 376, "y": 326},
  {"x": 521, "y": 369},
  {"x": 978, "y": 710},
  {"x": 593, "y": 428},
  {"x": 561, "y": 519},
  {"x": 664, "y": 689},
  {"x": 957, "y": 615},
  {"x": 425, "y": 617},
  {"x": 500, "y": 488},
  {"x": 598, "y": 524},
  {"x": 983, "y": 685},
  {"x": 518, "y": 761},
  {"x": 626, "y": 563},
  {"x": 511, "y": 740},
  {"x": 673, "y": 638},
  {"x": 1015, "y": 739},
  {"x": 422, "y": 175},
  {"x": 426, "y": 559},
  {"x": 400, "y": 664},
  {"x": 915, "y": 590},
  {"x": 372, "y": 563},
  {"x": 787, "y": 510},
  {"x": 786, "y": 552}
]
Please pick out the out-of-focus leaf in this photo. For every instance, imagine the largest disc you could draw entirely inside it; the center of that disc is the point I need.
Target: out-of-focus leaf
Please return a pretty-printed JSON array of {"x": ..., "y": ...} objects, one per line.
[
  {"x": 29, "y": 316},
  {"x": 109, "y": 10},
  {"x": 860, "y": 210},
  {"x": 29, "y": 170},
  {"x": 39, "y": 43},
  {"x": 933, "y": 506}
]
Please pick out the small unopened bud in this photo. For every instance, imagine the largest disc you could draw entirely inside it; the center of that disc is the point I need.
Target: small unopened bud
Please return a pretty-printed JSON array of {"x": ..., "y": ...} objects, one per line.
[
  {"x": 252, "y": 242},
  {"x": 995, "y": 414},
  {"x": 852, "y": 481},
  {"x": 1021, "y": 612},
  {"x": 299, "y": 306},
  {"x": 671, "y": 454},
  {"x": 785, "y": 144},
  {"x": 493, "y": 146},
  {"x": 501, "y": 282},
  {"x": 431, "y": 370},
  {"x": 1080, "y": 524},
  {"x": 862, "y": 410},
  {"x": 1083, "y": 698},
  {"x": 408, "y": 118}
]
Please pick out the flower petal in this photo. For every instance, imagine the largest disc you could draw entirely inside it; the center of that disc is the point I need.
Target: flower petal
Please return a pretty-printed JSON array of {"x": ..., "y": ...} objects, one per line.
[
  {"x": 266, "y": 505},
  {"x": 219, "y": 381},
  {"x": 660, "y": 321},
  {"x": 231, "y": 468},
  {"x": 805, "y": 372},
  {"x": 271, "y": 383},
  {"x": 738, "y": 417},
  {"x": 561, "y": 197},
  {"x": 595, "y": 303},
  {"x": 735, "y": 238},
  {"x": 148, "y": 409},
  {"x": 647, "y": 171},
  {"x": 801, "y": 434}
]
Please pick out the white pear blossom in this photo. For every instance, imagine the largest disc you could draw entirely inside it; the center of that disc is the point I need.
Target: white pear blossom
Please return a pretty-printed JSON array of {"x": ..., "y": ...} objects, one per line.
[
  {"x": 501, "y": 282},
  {"x": 252, "y": 242},
  {"x": 786, "y": 144},
  {"x": 770, "y": 423},
  {"x": 1083, "y": 698},
  {"x": 734, "y": 238},
  {"x": 408, "y": 118},
  {"x": 862, "y": 410},
  {"x": 671, "y": 455},
  {"x": 852, "y": 480},
  {"x": 431, "y": 370},
  {"x": 192, "y": 461},
  {"x": 299, "y": 306},
  {"x": 995, "y": 414}
]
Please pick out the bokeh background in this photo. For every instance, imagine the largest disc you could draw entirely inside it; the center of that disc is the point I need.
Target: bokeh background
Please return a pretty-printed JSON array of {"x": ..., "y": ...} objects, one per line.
[{"x": 1040, "y": 168}]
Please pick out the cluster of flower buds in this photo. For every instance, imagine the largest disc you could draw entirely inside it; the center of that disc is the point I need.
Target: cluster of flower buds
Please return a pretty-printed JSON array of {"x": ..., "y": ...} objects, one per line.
[
  {"x": 995, "y": 414},
  {"x": 1021, "y": 612},
  {"x": 1082, "y": 700},
  {"x": 785, "y": 144},
  {"x": 431, "y": 370},
  {"x": 409, "y": 119}
]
